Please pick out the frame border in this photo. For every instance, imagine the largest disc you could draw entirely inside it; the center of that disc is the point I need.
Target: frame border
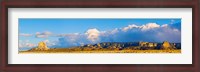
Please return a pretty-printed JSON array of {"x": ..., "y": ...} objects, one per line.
[{"x": 100, "y": 67}]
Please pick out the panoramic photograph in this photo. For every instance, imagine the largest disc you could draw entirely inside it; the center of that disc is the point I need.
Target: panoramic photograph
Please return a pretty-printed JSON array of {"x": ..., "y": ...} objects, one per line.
[{"x": 99, "y": 35}]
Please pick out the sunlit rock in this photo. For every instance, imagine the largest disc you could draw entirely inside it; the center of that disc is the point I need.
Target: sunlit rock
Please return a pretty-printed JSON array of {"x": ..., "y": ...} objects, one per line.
[
  {"x": 166, "y": 45},
  {"x": 41, "y": 46}
]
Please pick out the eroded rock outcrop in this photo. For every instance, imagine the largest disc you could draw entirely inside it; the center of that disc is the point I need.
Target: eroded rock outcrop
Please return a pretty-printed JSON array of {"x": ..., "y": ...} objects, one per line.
[
  {"x": 166, "y": 45},
  {"x": 41, "y": 46}
]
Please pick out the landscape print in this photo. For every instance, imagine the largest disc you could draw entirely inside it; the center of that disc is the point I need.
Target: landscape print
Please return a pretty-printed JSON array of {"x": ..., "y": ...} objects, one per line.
[{"x": 99, "y": 35}]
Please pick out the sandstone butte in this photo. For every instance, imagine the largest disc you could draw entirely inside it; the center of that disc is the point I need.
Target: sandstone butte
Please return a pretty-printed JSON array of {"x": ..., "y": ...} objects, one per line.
[
  {"x": 166, "y": 45},
  {"x": 41, "y": 46}
]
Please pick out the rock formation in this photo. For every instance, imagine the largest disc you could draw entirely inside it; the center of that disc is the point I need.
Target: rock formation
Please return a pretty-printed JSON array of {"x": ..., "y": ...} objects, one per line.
[
  {"x": 139, "y": 45},
  {"x": 166, "y": 45},
  {"x": 41, "y": 46},
  {"x": 147, "y": 44}
]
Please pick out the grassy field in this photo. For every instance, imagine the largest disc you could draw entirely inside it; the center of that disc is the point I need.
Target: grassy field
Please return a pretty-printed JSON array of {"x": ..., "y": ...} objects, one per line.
[{"x": 101, "y": 51}]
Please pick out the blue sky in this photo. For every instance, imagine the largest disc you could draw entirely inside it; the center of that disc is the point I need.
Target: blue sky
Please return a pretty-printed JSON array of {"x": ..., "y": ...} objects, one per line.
[
  {"x": 81, "y": 25},
  {"x": 29, "y": 27}
]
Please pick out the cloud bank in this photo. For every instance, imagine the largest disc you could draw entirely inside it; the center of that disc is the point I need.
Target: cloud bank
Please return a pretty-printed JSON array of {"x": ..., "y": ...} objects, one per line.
[{"x": 150, "y": 32}]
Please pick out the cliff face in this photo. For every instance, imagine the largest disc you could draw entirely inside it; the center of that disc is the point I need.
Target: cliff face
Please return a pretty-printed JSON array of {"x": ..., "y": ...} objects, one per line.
[{"x": 41, "y": 46}]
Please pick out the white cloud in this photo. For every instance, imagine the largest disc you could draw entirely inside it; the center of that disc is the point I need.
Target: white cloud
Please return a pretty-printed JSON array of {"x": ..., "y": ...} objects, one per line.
[
  {"x": 143, "y": 27},
  {"x": 77, "y": 39},
  {"x": 151, "y": 32},
  {"x": 92, "y": 34},
  {"x": 45, "y": 34},
  {"x": 26, "y": 44},
  {"x": 164, "y": 25},
  {"x": 149, "y": 26},
  {"x": 25, "y": 35},
  {"x": 114, "y": 31},
  {"x": 130, "y": 27}
]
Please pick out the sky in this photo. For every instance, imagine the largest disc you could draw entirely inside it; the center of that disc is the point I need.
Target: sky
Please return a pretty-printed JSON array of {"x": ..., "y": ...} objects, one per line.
[{"x": 68, "y": 32}]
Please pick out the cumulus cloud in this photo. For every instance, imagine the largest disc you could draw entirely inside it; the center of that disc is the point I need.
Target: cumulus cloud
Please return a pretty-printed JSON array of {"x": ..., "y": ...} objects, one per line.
[
  {"x": 25, "y": 35},
  {"x": 143, "y": 27},
  {"x": 151, "y": 32},
  {"x": 149, "y": 26},
  {"x": 92, "y": 34},
  {"x": 130, "y": 27},
  {"x": 43, "y": 34}
]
